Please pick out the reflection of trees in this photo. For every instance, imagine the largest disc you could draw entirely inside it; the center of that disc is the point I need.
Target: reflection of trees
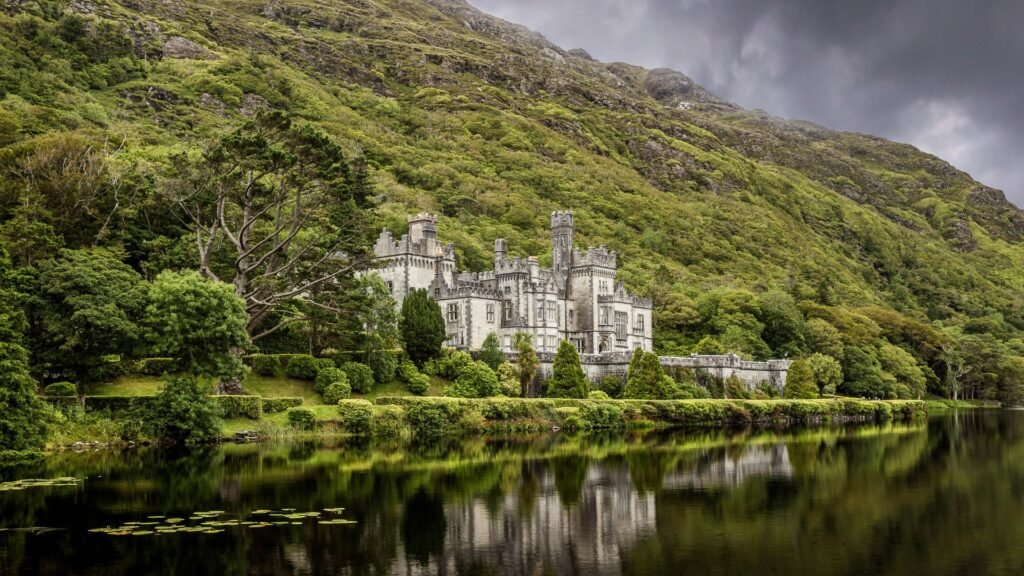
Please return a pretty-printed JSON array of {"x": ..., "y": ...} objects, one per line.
[
  {"x": 570, "y": 474},
  {"x": 423, "y": 526}
]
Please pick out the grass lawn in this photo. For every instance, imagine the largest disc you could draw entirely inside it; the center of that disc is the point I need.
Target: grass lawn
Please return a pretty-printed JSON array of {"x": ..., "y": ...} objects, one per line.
[
  {"x": 281, "y": 386},
  {"x": 131, "y": 385}
]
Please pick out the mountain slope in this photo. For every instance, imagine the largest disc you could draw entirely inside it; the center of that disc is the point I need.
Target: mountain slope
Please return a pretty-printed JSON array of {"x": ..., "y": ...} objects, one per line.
[{"x": 493, "y": 127}]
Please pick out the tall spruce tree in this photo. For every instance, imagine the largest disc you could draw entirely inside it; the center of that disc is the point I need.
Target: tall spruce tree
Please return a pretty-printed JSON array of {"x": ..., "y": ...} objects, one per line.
[
  {"x": 567, "y": 378},
  {"x": 422, "y": 327},
  {"x": 23, "y": 416},
  {"x": 490, "y": 351},
  {"x": 645, "y": 377},
  {"x": 527, "y": 363}
]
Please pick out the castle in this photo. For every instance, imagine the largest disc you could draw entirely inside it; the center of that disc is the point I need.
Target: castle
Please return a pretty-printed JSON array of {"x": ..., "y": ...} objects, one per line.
[{"x": 578, "y": 299}]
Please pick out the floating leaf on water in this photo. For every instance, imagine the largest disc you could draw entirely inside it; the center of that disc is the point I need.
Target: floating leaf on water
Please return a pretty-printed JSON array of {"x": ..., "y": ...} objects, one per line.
[
  {"x": 261, "y": 511},
  {"x": 337, "y": 521},
  {"x": 288, "y": 509},
  {"x": 212, "y": 531},
  {"x": 334, "y": 510},
  {"x": 142, "y": 533},
  {"x": 174, "y": 520},
  {"x": 296, "y": 523},
  {"x": 155, "y": 517}
]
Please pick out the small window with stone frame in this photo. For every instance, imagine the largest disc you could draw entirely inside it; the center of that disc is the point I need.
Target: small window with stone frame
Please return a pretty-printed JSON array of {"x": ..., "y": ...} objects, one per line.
[
  {"x": 453, "y": 312},
  {"x": 490, "y": 313},
  {"x": 621, "y": 320}
]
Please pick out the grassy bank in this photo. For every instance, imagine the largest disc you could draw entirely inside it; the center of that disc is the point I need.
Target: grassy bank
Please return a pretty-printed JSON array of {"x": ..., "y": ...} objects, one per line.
[{"x": 940, "y": 404}]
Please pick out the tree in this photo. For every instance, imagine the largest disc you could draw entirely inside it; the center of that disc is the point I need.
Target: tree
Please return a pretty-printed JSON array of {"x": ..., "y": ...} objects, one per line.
[
  {"x": 824, "y": 338},
  {"x": 527, "y": 362},
  {"x": 422, "y": 327},
  {"x": 85, "y": 313},
  {"x": 708, "y": 345},
  {"x": 864, "y": 374},
  {"x": 783, "y": 323},
  {"x": 828, "y": 373},
  {"x": 198, "y": 322},
  {"x": 800, "y": 381},
  {"x": 735, "y": 387},
  {"x": 490, "y": 351},
  {"x": 476, "y": 380},
  {"x": 274, "y": 210},
  {"x": 567, "y": 377},
  {"x": 24, "y": 418},
  {"x": 645, "y": 379}
]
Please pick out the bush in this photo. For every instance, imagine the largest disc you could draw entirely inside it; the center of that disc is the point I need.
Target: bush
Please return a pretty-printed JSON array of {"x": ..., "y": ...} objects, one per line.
[
  {"x": 388, "y": 422},
  {"x": 183, "y": 412},
  {"x": 429, "y": 420},
  {"x": 360, "y": 377},
  {"x": 611, "y": 384},
  {"x": 383, "y": 365},
  {"x": 598, "y": 395},
  {"x": 266, "y": 364},
  {"x": 800, "y": 381},
  {"x": 476, "y": 380},
  {"x": 302, "y": 366},
  {"x": 275, "y": 405},
  {"x": 301, "y": 418},
  {"x": 508, "y": 380},
  {"x": 356, "y": 416},
  {"x": 155, "y": 366},
  {"x": 250, "y": 407},
  {"x": 130, "y": 430},
  {"x": 324, "y": 364},
  {"x": 336, "y": 391},
  {"x": 419, "y": 384},
  {"x": 60, "y": 389},
  {"x": 329, "y": 376},
  {"x": 449, "y": 364},
  {"x": 119, "y": 403},
  {"x": 602, "y": 415},
  {"x": 407, "y": 371}
]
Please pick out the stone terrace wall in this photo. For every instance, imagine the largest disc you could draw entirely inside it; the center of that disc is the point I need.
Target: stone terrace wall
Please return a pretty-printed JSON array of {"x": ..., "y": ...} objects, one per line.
[{"x": 721, "y": 366}]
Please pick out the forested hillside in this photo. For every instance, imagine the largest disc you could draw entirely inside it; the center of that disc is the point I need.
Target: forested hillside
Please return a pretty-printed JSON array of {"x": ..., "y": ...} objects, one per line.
[{"x": 120, "y": 121}]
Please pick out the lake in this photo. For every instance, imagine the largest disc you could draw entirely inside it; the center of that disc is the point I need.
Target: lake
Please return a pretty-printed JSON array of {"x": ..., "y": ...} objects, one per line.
[{"x": 944, "y": 496}]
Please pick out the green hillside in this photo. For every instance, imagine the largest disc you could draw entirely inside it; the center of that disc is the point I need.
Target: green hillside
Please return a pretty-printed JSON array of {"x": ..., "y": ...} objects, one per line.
[{"x": 751, "y": 233}]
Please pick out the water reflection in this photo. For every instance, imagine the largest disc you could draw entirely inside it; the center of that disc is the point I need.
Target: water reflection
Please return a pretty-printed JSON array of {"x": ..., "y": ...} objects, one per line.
[{"x": 942, "y": 497}]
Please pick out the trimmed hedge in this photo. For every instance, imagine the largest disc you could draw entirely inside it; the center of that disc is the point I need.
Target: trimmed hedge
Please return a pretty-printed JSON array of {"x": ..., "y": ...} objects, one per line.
[
  {"x": 250, "y": 407},
  {"x": 301, "y": 418},
  {"x": 275, "y": 405},
  {"x": 118, "y": 403},
  {"x": 302, "y": 366},
  {"x": 438, "y": 416},
  {"x": 360, "y": 377},
  {"x": 61, "y": 390}
]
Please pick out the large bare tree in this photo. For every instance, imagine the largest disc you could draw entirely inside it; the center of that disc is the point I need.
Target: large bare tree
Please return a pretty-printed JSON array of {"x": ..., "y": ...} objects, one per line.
[{"x": 276, "y": 211}]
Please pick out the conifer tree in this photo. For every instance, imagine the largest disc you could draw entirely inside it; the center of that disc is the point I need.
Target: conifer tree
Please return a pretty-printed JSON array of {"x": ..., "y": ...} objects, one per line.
[
  {"x": 490, "y": 351},
  {"x": 567, "y": 378},
  {"x": 422, "y": 327},
  {"x": 800, "y": 381},
  {"x": 645, "y": 377},
  {"x": 527, "y": 362},
  {"x": 23, "y": 416}
]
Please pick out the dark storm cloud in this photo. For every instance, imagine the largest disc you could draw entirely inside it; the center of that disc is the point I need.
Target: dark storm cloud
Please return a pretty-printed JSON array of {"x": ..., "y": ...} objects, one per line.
[{"x": 944, "y": 75}]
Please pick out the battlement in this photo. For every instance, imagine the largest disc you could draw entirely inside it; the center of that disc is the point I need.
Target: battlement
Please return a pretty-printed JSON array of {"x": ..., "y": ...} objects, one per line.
[
  {"x": 422, "y": 217},
  {"x": 561, "y": 218},
  {"x": 599, "y": 256},
  {"x": 469, "y": 290}
]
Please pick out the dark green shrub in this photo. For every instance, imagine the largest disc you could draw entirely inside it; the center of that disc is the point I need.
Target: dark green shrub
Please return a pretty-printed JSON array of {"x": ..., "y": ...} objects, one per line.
[
  {"x": 155, "y": 366},
  {"x": 602, "y": 415},
  {"x": 275, "y": 405},
  {"x": 448, "y": 364},
  {"x": 131, "y": 430},
  {"x": 250, "y": 407},
  {"x": 118, "y": 404},
  {"x": 266, "y": 364},
  {"x": 329, "y": 376},
  {"x": 301, "y": 418},
  {"x": 360, "y": 377},
  {"x": 324, "y": 364},
  {"x": 61, "y": 389},
  {"x": 598, "y": 395},
  {"x": 475, "y": 380},
  {"x": 508, "y": 380},
  {"x": 429, "y": 420},
  {"x": 356, "y": 416},
  {"x": 302, "y": 366},
  {"x": 407, "y": 371},
  {"x": 184, "y": 413},
  {"x": 611, "y": 384},
  {"x": 419, "y": 384},
  {"x": 388, "y": 422},
  {"x": 383, "y": 364},
  {"x": 335, "y": 391}
]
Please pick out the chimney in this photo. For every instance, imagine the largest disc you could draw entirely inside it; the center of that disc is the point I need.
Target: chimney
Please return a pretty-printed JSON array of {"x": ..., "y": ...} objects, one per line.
[{"x": 500, "y": 250}]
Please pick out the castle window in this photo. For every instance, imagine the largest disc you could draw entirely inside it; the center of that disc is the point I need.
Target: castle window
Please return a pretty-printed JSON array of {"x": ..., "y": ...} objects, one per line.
[
  {"x": 508, "y": 342},
  {"x": 540, "y": 311},
  {"x": 490, "y": 313},
  {"x": 552, "y": 312},
  {"x": 638, "y": 325},
  {"x": 553, "y": 342},
  {"x": 391, "y": 286},
  {"x": 572, "y": 315},
  {"x": 621, "y": 320},
  {"x": 508, "y": 289},
  {"x": 508, "y": 309},
  {"x": 604, "y": 316},
  {"x": 540, "y": 343},
  {"x": 453, "y": 312}
]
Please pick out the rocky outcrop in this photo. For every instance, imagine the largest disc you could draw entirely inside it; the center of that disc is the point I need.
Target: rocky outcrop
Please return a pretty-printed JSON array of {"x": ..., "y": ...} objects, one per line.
[{"x": 180, "y": 47}]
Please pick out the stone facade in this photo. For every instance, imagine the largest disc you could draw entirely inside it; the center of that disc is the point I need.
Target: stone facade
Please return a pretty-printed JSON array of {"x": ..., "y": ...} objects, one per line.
[{"x": 578, "y": 299}]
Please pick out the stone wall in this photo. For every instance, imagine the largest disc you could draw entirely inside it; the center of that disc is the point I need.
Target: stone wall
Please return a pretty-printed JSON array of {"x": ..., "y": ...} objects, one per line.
[{"x": 596, "y": 366}]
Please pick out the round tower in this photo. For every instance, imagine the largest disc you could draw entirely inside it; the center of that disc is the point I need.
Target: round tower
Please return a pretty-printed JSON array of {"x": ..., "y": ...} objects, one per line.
[{"x": 561, "y": 240}]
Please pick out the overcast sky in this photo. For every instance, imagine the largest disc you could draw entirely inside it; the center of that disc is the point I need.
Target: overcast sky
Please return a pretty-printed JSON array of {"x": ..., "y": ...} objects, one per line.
[{"x": 944, "y": 75}]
